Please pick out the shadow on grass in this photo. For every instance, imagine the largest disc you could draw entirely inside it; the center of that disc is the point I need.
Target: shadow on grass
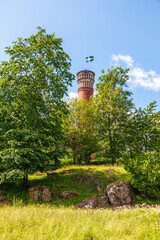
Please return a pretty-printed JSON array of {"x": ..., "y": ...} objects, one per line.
[{"x": 63, "y": 180}]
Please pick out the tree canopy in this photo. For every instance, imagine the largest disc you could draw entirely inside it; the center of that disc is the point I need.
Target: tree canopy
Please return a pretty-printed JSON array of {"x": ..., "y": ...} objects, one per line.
[
  {"x": 113, "y": 108},
  {"x": 33, "y": 83}
]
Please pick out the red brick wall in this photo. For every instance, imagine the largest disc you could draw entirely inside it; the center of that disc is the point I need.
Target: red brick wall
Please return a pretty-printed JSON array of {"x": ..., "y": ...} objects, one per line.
[{"x": 85, "y": 93}]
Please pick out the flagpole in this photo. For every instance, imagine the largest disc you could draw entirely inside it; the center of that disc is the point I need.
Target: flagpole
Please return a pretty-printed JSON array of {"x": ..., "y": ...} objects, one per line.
[{"x": 85, "y": 64}]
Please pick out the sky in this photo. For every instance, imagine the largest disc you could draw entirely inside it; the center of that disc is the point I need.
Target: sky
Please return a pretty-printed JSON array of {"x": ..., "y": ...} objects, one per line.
[{"x": 116, "y": 32}]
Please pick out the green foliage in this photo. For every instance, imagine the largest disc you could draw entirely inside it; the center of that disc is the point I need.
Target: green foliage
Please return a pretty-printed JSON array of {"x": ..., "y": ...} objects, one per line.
[
  {"x": 145, "y": 169},
  {"x": 113, "y": 108},
  {"x": 143, "y": 141},
  {"x": 79, "y": 130},
  {"x": 143, "y": 130},
  {"x": 32, "y": 84}
]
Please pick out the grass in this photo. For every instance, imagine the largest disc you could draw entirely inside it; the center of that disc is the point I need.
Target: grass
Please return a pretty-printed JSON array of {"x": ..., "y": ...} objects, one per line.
[
  {"x": 106, "y": 174},
  {"x": 24, "y": 219},
  {"x": 46, "y": 222}
]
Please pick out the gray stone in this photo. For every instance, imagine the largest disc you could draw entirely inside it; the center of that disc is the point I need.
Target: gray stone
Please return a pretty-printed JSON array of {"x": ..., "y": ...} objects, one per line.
[
  {"x": 103, "y": 202},
  {"x": 40, "y": 194},
  {"x": 89, "y": 204},
  {"x": 95, "y": 201},
  {"x": 120, "y": 194},
  {"x": 69, "y": 194},
  {"x": 46, "y": 194}
]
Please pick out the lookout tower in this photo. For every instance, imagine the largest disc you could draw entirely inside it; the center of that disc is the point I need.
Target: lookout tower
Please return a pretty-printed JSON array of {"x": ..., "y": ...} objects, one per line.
[{"x": 85, "y": 80}]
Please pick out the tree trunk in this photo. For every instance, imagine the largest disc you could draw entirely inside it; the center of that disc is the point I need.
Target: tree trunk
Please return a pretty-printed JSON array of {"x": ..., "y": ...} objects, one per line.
[
  {"x": 113, "y": 161},
  {"x": 25, "y": 181},
  {"x": 74, "y": 159}
]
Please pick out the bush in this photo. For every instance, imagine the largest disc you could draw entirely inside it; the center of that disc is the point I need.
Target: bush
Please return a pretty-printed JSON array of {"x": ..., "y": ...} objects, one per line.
[{"x": 145, "y": 170}]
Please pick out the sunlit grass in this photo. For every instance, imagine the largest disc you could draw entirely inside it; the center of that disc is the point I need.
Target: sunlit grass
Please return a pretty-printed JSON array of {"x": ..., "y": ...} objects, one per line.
[
  {"x": 44, "y": 222},
  {"x": 108, "y": 174}
]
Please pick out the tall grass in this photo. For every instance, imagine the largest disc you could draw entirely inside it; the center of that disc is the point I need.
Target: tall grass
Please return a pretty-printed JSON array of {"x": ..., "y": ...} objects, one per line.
[{"x": 45, "y": 222}]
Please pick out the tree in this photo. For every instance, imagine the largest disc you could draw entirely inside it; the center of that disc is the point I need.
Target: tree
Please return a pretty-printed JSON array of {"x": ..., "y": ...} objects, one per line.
[
  {"x": 144, "y": 168},
  {"x": 143, "y": 130},
  {"x": 113, "y": 108},
  {"x": 79, "y": 130},
  {"x": 33, "y": 83},
  {"x": 142, "y": 159}
]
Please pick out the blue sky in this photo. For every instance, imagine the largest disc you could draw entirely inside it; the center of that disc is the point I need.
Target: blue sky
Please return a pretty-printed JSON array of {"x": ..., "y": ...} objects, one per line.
[{"x": 115, "y": 32}]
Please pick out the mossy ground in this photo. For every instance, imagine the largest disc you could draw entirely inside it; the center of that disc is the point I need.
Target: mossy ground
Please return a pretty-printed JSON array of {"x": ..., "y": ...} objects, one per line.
[{"x": 64, "y": 181}]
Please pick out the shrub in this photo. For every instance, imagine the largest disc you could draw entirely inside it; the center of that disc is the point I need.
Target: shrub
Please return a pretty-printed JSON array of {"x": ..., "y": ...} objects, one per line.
[{"x": 145, "y": 170}]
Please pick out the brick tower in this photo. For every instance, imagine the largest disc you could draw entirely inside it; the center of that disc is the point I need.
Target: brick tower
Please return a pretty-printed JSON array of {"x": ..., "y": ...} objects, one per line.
[{"x": 85, "y": 80}]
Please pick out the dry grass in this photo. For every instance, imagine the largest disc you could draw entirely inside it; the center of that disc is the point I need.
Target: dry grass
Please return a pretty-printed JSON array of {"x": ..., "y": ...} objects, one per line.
[{"x": 45, "y": 222}]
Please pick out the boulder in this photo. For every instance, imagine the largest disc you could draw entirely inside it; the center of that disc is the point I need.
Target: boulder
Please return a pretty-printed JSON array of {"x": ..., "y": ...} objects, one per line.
[
  {"x": 90, "y": 203},
  {"x": 69, "y": 194},
  {"x": 40, "y": 194},
  {"x": 81, "y": 178},
  {"x": 46, "y": 194},
  {"x": 120, "y": 194},
  {"x": 103, "y": 202},
  {"x": 95, "y": 201}
]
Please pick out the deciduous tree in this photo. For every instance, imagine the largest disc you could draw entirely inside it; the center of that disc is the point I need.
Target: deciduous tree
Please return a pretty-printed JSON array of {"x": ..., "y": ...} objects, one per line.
[
  {"x": 79, "y": 130},
  {"x": 33, "y": 83},
  {"x": 113, "y": 108}
]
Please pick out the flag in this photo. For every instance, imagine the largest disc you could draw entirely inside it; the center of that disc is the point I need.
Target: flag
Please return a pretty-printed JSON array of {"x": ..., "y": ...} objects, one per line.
[{"x": 89, "y": 59}]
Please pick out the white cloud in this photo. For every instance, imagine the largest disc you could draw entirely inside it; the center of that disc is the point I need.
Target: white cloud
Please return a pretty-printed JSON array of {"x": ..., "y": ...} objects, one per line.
[
  {"x": 124, "y": 58},
  {"x": 138, "y": 76},
  {"x": 73, "y": 95}
]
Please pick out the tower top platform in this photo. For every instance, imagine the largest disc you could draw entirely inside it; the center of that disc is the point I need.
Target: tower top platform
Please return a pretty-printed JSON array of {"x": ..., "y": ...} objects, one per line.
[
  {"x": 84, "y": 75},
  {"x": 85, "y": 80}
]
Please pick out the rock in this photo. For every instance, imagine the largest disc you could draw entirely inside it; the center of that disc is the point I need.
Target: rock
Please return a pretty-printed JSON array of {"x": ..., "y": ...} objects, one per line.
[
  {"x": 3, "y": 198},
  {"x": 33, "y": 194},
  {"x": 61, "y": 186},
  {"x": 154, "y": 205},
  {"x": 137, "y": 205},
  {"x": 81, "y": 178},
  {"x": 40, "y": 194},
  {"x": 120, "y": 194},
  {"x": 67, "y": 172},
  {"x": 52, "y": 174},
  {"x": 144, "y": 205},
  {"x": 124, "y": 207},
  {"x": 55, "y": 194},
  {"x": 69, "y": 194},
  {"x": 87, "y": 204},
  {"x": 95, "y": 201},
  {"x": 46, "y": 195},
  {"x": 103, "y": 202}
]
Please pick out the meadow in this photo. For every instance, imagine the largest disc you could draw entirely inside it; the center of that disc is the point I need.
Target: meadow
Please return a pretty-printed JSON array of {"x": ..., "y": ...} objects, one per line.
[
  {"x": 46, "y": 223},
  {"x": 23, "y": 219}
]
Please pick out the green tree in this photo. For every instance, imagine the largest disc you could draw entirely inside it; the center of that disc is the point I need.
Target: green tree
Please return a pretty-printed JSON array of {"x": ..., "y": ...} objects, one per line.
[
  {"x": 113, "y": 108},
  {"x": 33, "y": 83},
  {"x": 143, "y": 146},
  {"x": 79, "y": 130},
  {"x": 143, "y": 129},
  {"x": 145, "y": 170}
]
